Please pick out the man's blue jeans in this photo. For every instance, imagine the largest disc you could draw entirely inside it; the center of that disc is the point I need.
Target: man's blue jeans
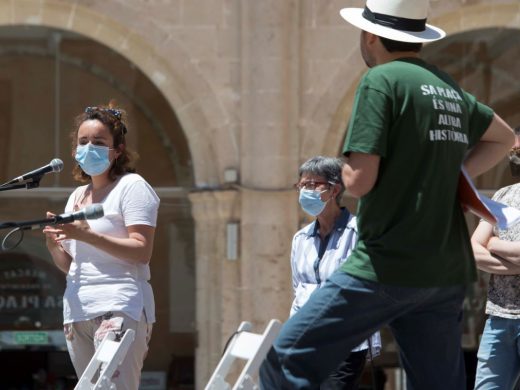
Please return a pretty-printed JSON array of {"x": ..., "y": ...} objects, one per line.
[
  {"x": 426, "y": 323},
  {"x": 499, "y": 354}
]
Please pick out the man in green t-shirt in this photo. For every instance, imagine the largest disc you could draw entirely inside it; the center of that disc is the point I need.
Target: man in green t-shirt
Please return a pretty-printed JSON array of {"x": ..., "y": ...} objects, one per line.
[{"x": 412, "y": 128}]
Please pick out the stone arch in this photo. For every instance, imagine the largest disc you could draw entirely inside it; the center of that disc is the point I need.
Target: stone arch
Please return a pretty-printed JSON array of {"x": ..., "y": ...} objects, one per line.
[
  {"x": 462, "y": 18},
  {"x": 202, "y": 117}
]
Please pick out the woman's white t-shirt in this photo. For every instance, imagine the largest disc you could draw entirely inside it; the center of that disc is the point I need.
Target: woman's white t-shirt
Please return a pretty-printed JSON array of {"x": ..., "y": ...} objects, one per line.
[{"x": 98, "y": 282}]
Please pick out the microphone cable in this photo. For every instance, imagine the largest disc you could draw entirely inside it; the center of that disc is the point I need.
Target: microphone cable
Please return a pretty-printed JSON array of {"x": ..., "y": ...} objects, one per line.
[{"x": 5, "y": 243}]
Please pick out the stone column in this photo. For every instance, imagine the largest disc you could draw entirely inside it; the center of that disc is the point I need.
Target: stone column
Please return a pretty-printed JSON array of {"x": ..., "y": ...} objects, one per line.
[
  {"x": 256, "y": 287},
  {"x": 217, "y": 278},
  {"x": 270, "y": 91},
  {"x": 265, "y": 270}
]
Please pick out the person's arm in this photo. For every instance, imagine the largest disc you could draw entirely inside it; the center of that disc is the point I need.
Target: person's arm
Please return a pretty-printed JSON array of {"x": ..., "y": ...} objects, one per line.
[
  {"x": 360, "y": 173},
  {"x": 491, "y": 148},
  {"x": 485, "y": 260},
  {"x": 137, "y": 248},
  {"x": 139, "y": 205},
  {"x": 508, "y": 250}
]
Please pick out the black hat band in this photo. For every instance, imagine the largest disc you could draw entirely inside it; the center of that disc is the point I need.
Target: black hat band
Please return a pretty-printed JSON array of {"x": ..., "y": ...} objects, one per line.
[{"x": 395, "y": 22}]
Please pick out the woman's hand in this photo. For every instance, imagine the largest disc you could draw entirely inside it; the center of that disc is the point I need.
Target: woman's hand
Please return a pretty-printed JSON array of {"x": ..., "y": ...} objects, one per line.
[
  {"x": 53, "y": 238},
  {"x": 77, "y": 230}
]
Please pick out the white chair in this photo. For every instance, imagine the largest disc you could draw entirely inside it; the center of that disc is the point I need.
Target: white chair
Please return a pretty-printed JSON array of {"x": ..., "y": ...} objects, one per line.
[
  {"x": 109, "y": 355},
  {"x": 248, "y": 346}
]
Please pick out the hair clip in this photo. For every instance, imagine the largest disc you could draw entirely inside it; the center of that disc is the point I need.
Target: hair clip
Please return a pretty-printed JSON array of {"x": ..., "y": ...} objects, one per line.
[{"x": 115, "y": 112}]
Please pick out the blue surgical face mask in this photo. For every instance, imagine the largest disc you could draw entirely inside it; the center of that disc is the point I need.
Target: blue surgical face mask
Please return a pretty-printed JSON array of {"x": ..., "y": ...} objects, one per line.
[
  {"x": 93, "y": 159},
  {"x": 311, "y": 202}
]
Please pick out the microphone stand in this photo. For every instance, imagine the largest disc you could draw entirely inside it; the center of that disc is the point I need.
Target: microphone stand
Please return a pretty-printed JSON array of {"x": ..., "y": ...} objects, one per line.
[
  {"x": 29, "y": 225},
  {"x": 34, "y": 183}
]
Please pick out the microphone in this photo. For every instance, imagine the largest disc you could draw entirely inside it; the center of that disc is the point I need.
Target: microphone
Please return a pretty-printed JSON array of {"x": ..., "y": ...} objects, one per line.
[
  {"x": 56, "y": 165},
  {"x": 93, "y": 211}
]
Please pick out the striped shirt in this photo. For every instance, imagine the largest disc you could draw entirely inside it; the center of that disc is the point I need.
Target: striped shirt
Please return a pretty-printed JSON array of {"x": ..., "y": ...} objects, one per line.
[{"x": 314, "y": 260}]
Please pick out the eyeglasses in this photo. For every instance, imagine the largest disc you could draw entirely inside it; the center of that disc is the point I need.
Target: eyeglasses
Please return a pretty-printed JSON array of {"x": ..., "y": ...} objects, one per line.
[
  {"x": 311, "y": 185},
  {"x": 113, "y": 111}
]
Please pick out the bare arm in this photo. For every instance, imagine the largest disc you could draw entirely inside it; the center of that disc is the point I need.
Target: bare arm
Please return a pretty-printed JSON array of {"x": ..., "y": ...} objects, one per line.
[
  {"x": 487, "y": 261},
  {"x": 492, "y": 147},
  {"x": 508, "y": 250},
  {"x": 137, "y": 248},
  {"x": 360, "y": 173}
]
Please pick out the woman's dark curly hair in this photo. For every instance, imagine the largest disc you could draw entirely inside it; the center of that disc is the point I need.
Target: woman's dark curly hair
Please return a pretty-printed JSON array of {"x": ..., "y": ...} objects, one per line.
[{"x": 114, "y": 119}]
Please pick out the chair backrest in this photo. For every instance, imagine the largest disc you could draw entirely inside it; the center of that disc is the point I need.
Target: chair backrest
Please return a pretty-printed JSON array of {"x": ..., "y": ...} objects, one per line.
[
  {"x": 109, "y": 355},
  {"x": 247, "y": 346}
]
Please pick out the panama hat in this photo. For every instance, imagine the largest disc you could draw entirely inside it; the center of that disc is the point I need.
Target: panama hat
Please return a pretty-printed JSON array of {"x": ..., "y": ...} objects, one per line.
[{"x": 399, "y": 20}]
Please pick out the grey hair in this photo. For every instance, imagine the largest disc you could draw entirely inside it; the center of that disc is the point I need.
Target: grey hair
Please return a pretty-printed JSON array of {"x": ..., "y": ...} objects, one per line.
[{"x": 327, "y": 167}]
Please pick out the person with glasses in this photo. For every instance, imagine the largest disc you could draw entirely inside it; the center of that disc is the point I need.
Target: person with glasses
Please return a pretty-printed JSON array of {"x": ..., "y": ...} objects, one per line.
[
  {"x": 320, "y": 248},
  {"x": 106, "y": 260},
  {"x": 411, "y": 130}
]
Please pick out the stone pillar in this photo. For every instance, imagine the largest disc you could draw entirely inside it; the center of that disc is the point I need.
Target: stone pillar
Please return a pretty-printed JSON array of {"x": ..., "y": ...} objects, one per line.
[
  {"x": 270, "y": 90},
  {"x": 217, "y": 279},
  {"x": 265, "y": 262},
  {"x": 256, "y": 287}
]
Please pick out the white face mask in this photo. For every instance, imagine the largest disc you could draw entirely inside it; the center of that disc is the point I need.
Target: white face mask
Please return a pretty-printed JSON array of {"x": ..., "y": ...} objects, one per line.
[{"x": 93, "y": 159}]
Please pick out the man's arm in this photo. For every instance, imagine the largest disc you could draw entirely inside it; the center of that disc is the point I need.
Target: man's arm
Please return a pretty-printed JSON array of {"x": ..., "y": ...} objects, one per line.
[
  {"x": 360, "y": 173},
  {"x": 491, "y": 148},
  {"x": 487, "y": 261}
]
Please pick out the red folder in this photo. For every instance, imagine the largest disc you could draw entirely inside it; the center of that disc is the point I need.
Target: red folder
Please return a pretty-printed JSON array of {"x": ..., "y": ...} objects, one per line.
[{"x": 470, "y": 199}]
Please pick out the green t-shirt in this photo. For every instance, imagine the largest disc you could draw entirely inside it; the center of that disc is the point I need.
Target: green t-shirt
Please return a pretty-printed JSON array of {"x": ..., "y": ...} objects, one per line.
[{"x": 412, "y": 230}]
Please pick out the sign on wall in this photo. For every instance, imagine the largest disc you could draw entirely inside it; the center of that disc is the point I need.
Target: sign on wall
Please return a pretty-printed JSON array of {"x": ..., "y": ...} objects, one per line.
[{"x": 31, "y": 293}]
